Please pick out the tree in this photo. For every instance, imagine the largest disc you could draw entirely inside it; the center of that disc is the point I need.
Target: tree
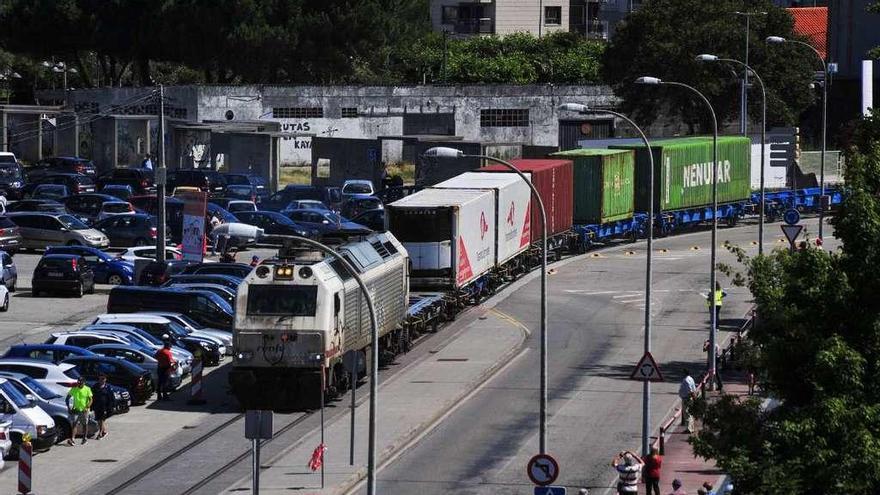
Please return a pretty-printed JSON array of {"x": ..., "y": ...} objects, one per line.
[
  {"x": 662, "y": 38},
  {"x": 818, "y": 346}
]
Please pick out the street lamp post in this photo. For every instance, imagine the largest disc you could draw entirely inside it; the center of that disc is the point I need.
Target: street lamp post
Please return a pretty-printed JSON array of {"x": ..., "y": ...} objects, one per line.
[
  {"x": 646, "y": 388},
  {"x": 712, "y": 58},
  {"x": 744, "y": 88},
  {"x": 713, "y": 327},
  {"x": 778, "y": 40},
  {"x": 441, "y": 152}
]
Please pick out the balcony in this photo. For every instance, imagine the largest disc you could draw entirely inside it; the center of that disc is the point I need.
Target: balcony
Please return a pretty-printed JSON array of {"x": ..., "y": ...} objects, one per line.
[{"x": 483, "y": 25}]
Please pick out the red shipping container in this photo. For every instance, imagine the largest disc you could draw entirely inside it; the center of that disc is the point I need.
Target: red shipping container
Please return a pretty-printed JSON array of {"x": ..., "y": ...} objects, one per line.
[{"x": 554, "y": 180}]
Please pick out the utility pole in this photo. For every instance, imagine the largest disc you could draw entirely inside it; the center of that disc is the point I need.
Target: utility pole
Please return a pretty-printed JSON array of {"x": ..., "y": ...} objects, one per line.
[
  {"x": 744, "y": 86},
  {"x": 160, "y": 182}
]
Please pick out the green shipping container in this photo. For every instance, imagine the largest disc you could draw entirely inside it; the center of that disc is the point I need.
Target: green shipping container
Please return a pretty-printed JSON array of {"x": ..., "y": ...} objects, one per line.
[
  {"x": 683, "y": 172},
  {"x": 603, "y": 184}
]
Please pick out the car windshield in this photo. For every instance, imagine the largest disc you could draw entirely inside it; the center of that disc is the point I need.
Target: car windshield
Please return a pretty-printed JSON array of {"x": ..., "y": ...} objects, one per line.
[
  {"x": 334, "y": 218},
  {"x": 38, "y": 388},
  {"x": 7, "y": 159},
  {"x": 72, "y": 373},
  {"x": 357, "y": 189},
  {"x": 72, "y": 222},
  {"x": 222, "y": 214},
  {"x": 278, "y": 217},
  {"x": 239, "y": 189},
  {"x": 312, "y": 205},
  {"x": 9, "y": 171},
  {"x": 117, "y": 208},
  {"x": 237, "y": 179},
  {"x": 189, "y": 322},
  {"x": 14, "y": 395}
]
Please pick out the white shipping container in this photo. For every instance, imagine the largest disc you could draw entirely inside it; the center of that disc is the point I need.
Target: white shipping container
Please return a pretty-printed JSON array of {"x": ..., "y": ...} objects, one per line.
[
  {"x": 449, "y": 235},
  {"x": 512, "y": 202}
]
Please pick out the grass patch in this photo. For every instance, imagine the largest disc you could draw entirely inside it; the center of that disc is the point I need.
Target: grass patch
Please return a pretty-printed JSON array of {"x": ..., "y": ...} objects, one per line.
[{"x": 298, "y": 174}]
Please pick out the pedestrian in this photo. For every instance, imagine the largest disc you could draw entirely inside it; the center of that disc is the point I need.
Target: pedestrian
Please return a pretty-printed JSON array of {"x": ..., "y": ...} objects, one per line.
[
  {"x": 255, "y": 260},
  {"x": 752, "y": 379},
  {"x": 653, "y": 464},
  {"x": 166, "y": 363},
  {"x": 629, "y": 470},
  {"x": 79, "y": 410},
  {"x": 102, "y": 404},
  {"x": 147, "y": 163},
  {"x": 687, "y": 392},
  {"x": 718, "y": 364},
  {"x": 677, "y": 488},
  {"x": 708, "y": 488},
  {"x": 714, "y": 300}
]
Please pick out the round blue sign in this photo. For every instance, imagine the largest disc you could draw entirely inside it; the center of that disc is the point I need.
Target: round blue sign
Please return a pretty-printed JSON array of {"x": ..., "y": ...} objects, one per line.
[{"x": 792, "y": 216}]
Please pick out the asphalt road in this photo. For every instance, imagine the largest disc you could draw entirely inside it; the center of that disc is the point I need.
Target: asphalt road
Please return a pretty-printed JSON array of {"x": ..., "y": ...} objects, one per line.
[{"x": 596, "y": 311}]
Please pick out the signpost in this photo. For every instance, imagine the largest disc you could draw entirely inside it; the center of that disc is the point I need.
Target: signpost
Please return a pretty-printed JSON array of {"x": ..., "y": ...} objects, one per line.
[
  {"x": 542, "y": 470},
  {"x": 257, "y": 426},
  {"x": 550, "y": 490},
  {"x": 194, "y": 206},
  {"x": 791, "y": 233},
  {"x": 791, "y": 216},
  {"x": 647, "y": 370}
]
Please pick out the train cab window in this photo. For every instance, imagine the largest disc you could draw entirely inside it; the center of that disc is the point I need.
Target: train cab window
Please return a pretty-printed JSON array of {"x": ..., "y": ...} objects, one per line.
[
  {"x": 282, "y": 300},
  {"x": 340, "y": 270}
]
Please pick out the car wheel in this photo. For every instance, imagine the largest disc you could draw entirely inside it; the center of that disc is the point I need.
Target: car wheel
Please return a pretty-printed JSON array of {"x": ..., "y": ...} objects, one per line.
[
  {"x": 114, "y": 279},
  {"x": 63, "y": 429},
  {"x": 140, "y": 241},
  {"x": 73, "y": 243},
  {"x": 79, "y": 290},
  {"x": 5, "y": 306}
]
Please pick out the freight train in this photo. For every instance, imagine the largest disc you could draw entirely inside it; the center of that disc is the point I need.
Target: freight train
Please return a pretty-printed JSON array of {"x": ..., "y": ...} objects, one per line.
[{"x": 298, "y": 315}]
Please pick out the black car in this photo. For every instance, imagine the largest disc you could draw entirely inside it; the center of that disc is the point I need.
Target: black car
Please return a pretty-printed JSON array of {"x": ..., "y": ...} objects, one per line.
[
  {"x": 10, "y": 237},
  {"x": 62, "y": 164},
  {"x": 36, "y": 206},
  {"x": 355, "y": 206},
  {"x": 259, "y": 184},
  {"x": 140, "y": 180},
  {"x": 135, "y": 379},
  {"x": 131, "y": 230},
  {"x": 209, "y": 181},
  {"x": 242, "y": 191},
  {"x": 274, "y": 223},
  {"x": 75, "y": 183},
  {"x": 204, "y": 307},
  {"x": 11, "y": 177},
  {"x": 65, "y": 273},
  {"x": 373, "y": 219},
  {"x": 157, "y": 273},
  {"x": 87, "y": 206},
  {"x": 239, "y": 270}
]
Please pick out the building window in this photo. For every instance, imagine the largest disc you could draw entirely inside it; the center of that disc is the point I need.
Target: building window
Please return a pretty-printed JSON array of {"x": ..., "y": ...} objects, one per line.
[
  {"x": 297, "y": 112},
  {"x": 349, "y": 112},
  {"x": 450, "y": 14},
  {"x": 552, "y": 16},
  {"x": 504, "y": 117}
]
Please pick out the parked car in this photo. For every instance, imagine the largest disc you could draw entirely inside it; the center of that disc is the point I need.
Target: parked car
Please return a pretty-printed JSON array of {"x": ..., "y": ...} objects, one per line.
[
  {"x": 76, "y": 183},
  {"x": 8, "y": 271},
  {"x": 156, "y": 273},
  {"x": 56, "y": 377},
  {"x": 83, "y": 339},
  {"x": 56, "y": 192},
  {"x": 53, "y": 353},
  {"x": 10, "y": 235},
  {"x": 115, "y": 208},
  {"x": 274, "y": 223},
  {"x": 235, "y": 206},
  {"x": 305, "y": 204},
  {"x": 328, "y": 224},
  {"x": 239, "y": 270},
  {"x": 120, "y": 191},
  {"x": 357, "y": 188},
  {"x": 224, "y": 280},
  {"x": 27, "y": 419},
  {"x": 212, "y": 349},
  {"x": 372, "y": 219},
  {"x": 209, "y": 181},
  {"x": 120, "y": 373},
  {"x": 149, "y": 253},
  {"x": 226, "y": 293},
  {"x": 139, "y": 180},
  {"x": 62, "y": 164},
  {"x": 202, "y": 306},
  {"x": 4, "y": 299},
  {"x": 259, "y": 184},
  {"x": 87, "y": 206},
  {"x": 330, "y": 196},
  {"x": 39, "y": 230},
  {"x": 36, "y": 206},
  {"x": 139, "y": 338},
  {"x": 107, "y": 269},
  {"x": 55, "y": 405},
  {"x": 195, "y": 328},
  {"x": 138, "y": 229},
  {"x": 242, "y": 192},
  {"x": 357, "y": 205},
  {"x": 11, "y": 176},
  {"x": 138, "y": 357},
  {"x": 63, "y": 273}
]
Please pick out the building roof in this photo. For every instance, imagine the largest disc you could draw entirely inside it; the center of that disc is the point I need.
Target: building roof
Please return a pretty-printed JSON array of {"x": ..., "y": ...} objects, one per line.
[{"x": 812, "y": 22}]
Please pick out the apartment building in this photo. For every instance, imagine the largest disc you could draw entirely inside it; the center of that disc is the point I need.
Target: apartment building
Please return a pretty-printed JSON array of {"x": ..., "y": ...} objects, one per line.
[{"x": 594, "y": 18}]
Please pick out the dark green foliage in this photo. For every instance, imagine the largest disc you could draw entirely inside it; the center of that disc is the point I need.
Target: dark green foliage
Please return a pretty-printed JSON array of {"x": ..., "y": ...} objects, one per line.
[
  {"x": 662, "y": 39},
  {"x": 818, "y": 349}
]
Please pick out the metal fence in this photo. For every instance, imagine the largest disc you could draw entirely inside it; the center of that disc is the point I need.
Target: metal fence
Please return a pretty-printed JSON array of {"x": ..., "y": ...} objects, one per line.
[{"x": 810, "y": 162}]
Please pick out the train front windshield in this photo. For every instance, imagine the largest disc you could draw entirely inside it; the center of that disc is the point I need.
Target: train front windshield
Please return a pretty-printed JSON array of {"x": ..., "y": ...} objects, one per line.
[{"x": 282, "y": 300}]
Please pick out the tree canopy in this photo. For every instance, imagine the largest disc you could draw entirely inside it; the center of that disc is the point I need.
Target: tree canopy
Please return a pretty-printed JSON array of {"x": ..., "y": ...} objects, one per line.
[
  {"x": 663, "y": 38},
  {"x": 818, "y": 346}
]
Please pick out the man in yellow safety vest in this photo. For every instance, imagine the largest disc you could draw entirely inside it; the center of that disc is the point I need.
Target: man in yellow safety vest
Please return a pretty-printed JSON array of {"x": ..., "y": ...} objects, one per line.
[{"x": 715, "y": 299}]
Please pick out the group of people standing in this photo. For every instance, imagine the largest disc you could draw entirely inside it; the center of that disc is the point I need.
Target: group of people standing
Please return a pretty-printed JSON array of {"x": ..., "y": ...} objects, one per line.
[{"x": 630, "y": 467}]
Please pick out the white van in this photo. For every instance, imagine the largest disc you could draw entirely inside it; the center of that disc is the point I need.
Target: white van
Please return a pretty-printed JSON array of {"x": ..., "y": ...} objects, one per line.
[{"x": 26, "y": 417}]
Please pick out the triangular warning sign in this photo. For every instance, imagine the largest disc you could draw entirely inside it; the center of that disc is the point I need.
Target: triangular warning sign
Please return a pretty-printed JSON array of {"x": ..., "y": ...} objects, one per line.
[
  {"x": 792, "y": 232},
  {"x": 526, "y": 236},
  {"x": 464, "y": 264},
  {"x": 647, "y": 370}
]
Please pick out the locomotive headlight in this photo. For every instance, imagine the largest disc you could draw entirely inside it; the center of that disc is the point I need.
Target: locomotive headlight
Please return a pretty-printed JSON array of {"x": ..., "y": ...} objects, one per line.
[
  {"x": 283, "y": 272},
  {"x": 245, "y": 355},
  {"x": 262, "y": 271}
]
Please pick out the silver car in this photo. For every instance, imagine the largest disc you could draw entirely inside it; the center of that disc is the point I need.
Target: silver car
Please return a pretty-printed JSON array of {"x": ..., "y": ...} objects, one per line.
[
  {"x": 39, "y": 230},
  {"x": 8, "y": 272},
  {"x": 139, "y": 357},
  {"x": 197, "y": 329},
  {"x": 54, "y": 404}
]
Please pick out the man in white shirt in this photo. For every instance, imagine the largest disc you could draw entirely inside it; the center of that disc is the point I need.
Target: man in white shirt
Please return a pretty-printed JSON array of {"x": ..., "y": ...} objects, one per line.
[
  {"x": 687, "y": 392},
  {"x": 629, "y": 471}
]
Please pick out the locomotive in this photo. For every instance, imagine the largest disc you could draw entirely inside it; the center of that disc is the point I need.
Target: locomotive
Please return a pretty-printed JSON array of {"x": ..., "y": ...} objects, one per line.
[{"x": 299, "y": 314}]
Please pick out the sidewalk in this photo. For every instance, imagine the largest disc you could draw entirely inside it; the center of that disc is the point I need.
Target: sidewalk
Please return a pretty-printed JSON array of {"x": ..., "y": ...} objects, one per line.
[{"x": 410, "y": 404}]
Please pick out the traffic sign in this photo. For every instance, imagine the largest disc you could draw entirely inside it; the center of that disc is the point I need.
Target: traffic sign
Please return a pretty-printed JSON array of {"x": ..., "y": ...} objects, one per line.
[
  {"x": 647, "y": 370},
  {"x": 791, "y": 233},
  {"x": 791, "y": 216},
  {"x": 542, "y": 469},
  {"x": 550, "y": 490}
]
